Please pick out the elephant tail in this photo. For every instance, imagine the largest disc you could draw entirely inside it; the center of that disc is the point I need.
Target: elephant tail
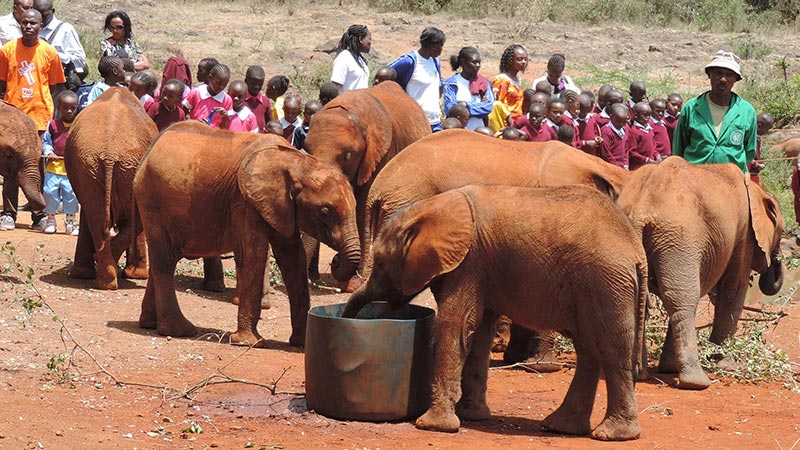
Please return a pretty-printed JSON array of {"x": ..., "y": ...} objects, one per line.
[
  {"x": 640, "y": 341},
  {"x": 109, "y": 188}
]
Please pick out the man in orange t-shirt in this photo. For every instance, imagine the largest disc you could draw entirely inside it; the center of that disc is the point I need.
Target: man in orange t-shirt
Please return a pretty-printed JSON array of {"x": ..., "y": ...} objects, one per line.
[{"x": 30, "y": 72}]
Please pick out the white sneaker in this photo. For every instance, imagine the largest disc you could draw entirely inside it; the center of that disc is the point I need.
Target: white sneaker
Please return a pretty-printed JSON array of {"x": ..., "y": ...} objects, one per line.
[
  {"x": 7, "y": 223},
  {"x": 70, "y": 227},
  {"x": 50, "y": 224}
]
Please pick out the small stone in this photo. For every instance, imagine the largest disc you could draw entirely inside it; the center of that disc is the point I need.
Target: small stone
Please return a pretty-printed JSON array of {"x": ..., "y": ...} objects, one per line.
[
  {"x": 214, "y": 445},
  {"x": 59, "y": 433}
]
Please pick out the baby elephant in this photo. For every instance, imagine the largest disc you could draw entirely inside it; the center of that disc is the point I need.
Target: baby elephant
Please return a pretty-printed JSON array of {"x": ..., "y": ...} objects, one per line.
[{"x": 563, "y": 259}]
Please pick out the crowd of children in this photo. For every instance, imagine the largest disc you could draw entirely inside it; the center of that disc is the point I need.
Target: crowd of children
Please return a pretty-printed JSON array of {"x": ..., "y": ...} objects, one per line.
[{"x": 629, "y": 134}]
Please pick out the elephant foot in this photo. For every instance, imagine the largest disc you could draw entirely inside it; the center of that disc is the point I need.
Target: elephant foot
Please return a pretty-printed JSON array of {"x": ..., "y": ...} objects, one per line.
[
  {"x": 81, "y": 272},
  {"x": 566, "y": 423},
  {"x": 725, "y": 362},
  {"x": 148, "y": 321},
  {"x": 472, "y": 410},
  {"x": 617, "y": 430},
  {"x": 265, "y": 301},
  {"x": 502, "y": 334},
  {"x": 135, "y": 273},
  {"x": 298, "y": 339},
  {"x": 447, "y": 422},
  {"x": 695, "y": 380},
  {"x": 106, "y": 285},
  {"x": 213, "y": 286},
  {"x": 178, "y": 328},
  {"x": 247, "y": 338}
]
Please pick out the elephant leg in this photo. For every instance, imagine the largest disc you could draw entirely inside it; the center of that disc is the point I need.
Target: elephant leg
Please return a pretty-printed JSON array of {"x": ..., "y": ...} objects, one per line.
[
  {"x": 10, "y": 196},
  {"x": 160, "y": 309},
  {"x": 213, "y": 276},
  {"x": 536, "y": 348},
  {"x": 83, "y": 265},
  {"x": 621, "y": 422},
  {"x": 136, "y": 254},
  {"x": 311, "y": 247},
  {"x": 680, "y": 292},
  {"x": 572, "y": 417},
  {"x": 268, "y": 291},
  {"x": 291, "y": 259},
  {"x": 668, "y": 362},
  {"x": 251, "y": 260},
  {"x": 472, "y": 405},
  {"x": 454, "y": 326}
]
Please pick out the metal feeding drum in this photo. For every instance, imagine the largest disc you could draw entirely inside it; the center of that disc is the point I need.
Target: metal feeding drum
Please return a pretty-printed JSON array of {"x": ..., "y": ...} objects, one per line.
[{"x": 376, "y": 367}]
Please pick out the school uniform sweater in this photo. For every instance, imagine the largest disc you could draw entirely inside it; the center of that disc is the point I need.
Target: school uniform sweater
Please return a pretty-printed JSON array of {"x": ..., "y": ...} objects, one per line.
[
  {"x": 641, "y": 146},
  {"x": 541, "y": 134},
  {"x": 614, "y": 147},
  {"x": 661, "y": 137}
]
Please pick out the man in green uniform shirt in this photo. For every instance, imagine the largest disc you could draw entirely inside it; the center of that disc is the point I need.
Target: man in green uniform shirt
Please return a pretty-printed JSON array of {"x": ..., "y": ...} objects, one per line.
[{"x": 717, "y": 126}]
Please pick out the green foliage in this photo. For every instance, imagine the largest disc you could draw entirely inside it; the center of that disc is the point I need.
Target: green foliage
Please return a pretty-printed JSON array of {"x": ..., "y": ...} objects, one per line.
[
  {"x": 768, "y": 92},
  {"x": 308, "y": 77},
  {"x": 748, "y": 47},
  {"x": 657, "y": 87},
  {"x": 756, "y": 360}
]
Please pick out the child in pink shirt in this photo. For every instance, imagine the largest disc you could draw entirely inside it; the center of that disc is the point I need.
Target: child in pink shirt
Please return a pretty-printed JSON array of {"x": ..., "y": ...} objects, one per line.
[
  {"x": 240, "y": 117},
  {"x": 641, "y": 144},
  {"x": 209, "y": 102}
]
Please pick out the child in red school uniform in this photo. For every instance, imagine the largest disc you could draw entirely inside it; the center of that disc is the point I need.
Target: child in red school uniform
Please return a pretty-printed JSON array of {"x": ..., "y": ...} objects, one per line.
[
  {"x": 638, "y": 93},
  {"x": 209, "y": 102},
  {"x": 764, "y": 124},
  {"x": 660, "y": 133},
  {"x": 601, "y": 98},
  {"x": 532, "y": 127},
  {"x": 291, "y": 115},
  {"x": 571, "y": 106},
  {"x": 598, "y": 121},
  {"x": 614, "y": 146},
  {"x": 555, "y": 114},
  {"x": 168, "y": 109},
  {"x": 204, "y": 68},
  {"x": 141, "y": 85},
  {"x": 239, "y": 118},
  {"x": 673, "y": 112},
  {"x": 641, "y": 143},
  {"x": 581, "y": 121},
  {"x": 256, "y": 100}
]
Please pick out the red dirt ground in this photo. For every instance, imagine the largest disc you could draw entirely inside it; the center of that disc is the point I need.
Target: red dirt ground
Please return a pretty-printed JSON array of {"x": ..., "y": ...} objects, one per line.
[{"x": 91, "y": 412}]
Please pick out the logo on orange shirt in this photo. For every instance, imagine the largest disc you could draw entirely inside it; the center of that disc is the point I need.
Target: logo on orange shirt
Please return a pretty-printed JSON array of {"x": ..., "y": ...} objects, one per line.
[{"x": 26, "y": 69}]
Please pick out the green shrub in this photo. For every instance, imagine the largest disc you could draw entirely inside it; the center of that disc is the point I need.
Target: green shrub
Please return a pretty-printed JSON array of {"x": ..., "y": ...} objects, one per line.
[{"x": 748, "y": 47}]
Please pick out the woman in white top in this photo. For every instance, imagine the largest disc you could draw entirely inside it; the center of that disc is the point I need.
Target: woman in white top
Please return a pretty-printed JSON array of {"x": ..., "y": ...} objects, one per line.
[
  {"x": 350, "y": 70},
  {"x": 555, "y": 75}
]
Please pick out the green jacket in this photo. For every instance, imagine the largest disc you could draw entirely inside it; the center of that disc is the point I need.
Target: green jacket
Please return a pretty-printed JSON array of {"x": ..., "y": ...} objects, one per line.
[{"x": 695, "y": 138}]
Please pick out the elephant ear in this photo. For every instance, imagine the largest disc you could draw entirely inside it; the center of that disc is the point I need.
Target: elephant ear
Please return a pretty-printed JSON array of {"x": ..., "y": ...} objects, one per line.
[
  {"x": 373, "y": 122},
  {"x": 765, "y": 218},
  {"x": 266, "y": 184},
  {"x": 438, "y": 236}
]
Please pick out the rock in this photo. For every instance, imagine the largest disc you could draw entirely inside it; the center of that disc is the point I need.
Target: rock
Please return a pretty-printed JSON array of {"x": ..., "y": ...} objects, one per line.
[{"x": 653, "y": 48}]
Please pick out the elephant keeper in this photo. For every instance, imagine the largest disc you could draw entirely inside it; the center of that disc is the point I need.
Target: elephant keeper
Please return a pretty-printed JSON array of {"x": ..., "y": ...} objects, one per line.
[{"x": 717, "y": 126}]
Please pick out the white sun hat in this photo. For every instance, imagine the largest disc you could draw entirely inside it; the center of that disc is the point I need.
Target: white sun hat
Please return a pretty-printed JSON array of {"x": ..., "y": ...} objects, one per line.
[{"x": 726, "y": 60}]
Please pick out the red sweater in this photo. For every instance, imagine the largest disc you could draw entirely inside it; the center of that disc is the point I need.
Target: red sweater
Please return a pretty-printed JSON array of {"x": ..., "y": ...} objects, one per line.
[
  {"x": 542, "y": 134},
  {"x": 641, "y": 146},
  {"x": 596, "y": 123},
  {"x": 670, "y": 123},
  {"x": 614, "y": 148},
  {"x": 661, "y": 136}
]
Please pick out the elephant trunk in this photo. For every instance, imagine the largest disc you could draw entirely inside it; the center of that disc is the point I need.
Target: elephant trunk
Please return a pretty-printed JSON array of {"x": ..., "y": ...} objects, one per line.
[
  {"x": 358, "y": 300},
  {"x": 345, "y": 263},
  {"x": 771, "y": 281},
  {"x": 30, "y": 180}
]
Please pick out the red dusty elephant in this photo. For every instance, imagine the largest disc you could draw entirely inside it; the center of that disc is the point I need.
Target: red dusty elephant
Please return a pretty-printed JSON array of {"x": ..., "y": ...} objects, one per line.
[
  {"x": 204, "y": 192},
  {"x": 103, "y": 150},
  {"x": 360, "y": 132},
  {"x": 20, "y": 150},
  {"x": 704, "y": 228}
]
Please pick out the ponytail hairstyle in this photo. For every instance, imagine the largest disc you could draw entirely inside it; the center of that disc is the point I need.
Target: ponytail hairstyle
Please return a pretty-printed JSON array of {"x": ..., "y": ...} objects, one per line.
[
  {"x": 464, "y": 53},
  {"x": 350, "y": 42}
]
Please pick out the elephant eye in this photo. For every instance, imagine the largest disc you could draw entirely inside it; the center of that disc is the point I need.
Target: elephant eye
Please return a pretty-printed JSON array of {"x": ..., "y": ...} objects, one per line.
[
  {"x": 348, "y": 155},
  {"x": 324, "y": 211}
]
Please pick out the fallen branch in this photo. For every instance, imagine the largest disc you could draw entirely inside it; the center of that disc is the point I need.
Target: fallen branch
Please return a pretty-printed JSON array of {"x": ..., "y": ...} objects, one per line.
[{"x": 527, "y": 366}]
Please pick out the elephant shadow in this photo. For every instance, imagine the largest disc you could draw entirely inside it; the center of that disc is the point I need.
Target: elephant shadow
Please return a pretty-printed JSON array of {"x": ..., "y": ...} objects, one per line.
[
  {"x": 203, "y": 334},
  {"x": 514, "y": 426},
  {"x": 60, "y": 277}
]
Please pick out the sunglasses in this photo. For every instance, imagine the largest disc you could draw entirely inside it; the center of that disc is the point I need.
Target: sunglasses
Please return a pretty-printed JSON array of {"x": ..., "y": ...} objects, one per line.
[{"x": 116, "y": 27}]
